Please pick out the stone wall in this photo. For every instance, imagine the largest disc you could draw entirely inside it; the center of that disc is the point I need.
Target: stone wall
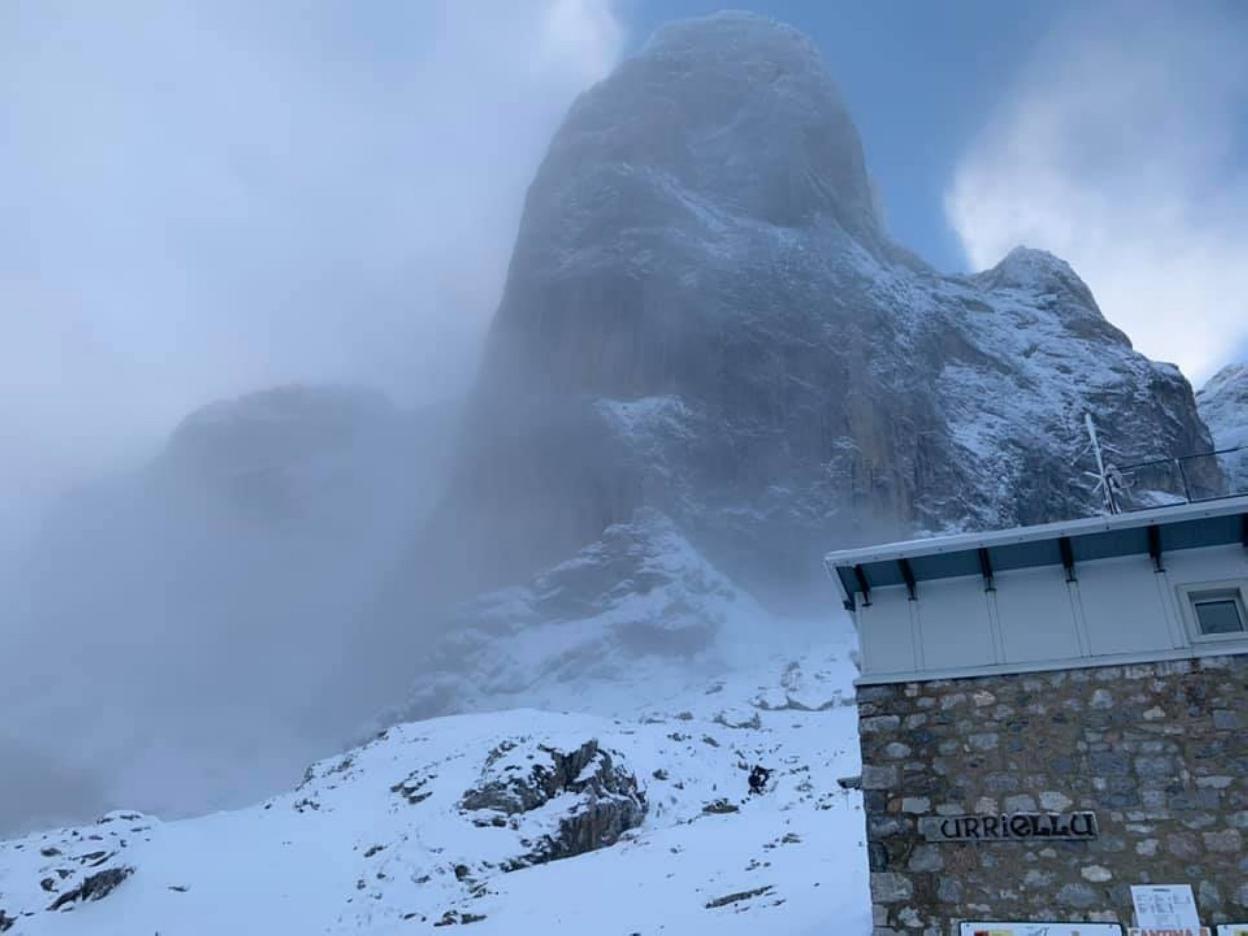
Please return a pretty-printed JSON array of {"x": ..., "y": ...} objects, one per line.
[{"x": 1159, "y": 751}]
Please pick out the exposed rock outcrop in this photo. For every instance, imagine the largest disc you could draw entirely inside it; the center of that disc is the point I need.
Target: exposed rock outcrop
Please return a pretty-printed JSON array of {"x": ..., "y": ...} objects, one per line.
[
  {"x": 1223, "y": 403},
  {"x": 602, "y": 799},
  {"x": 94, "y": 887},
  {"x": 704, "y": 315}
]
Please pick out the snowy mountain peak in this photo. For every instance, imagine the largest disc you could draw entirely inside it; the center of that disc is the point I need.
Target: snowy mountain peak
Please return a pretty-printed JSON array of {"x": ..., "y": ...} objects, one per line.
[
  {"x": 731, "y": 113},
  {"x": 1039, "y": 271},
  {"x": 1230, "y": 383}
]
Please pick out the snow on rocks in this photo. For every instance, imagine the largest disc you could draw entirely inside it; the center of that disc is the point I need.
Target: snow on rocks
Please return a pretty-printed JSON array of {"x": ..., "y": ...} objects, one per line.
[
  {"x": 640, "y": 606},
  {"x": 1223, "y": 403},
  {"x": 515, "y": 822},
  {"x": 61, "y": 870},
  {"x": 521, "y": 778}
]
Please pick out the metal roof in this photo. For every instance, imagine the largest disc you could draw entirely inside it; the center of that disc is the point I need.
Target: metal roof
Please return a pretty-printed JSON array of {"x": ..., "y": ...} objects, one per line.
[{"x": 1163, "y": 529}]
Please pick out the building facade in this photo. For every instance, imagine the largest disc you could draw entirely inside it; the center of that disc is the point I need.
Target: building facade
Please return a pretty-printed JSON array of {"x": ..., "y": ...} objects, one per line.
[{"x": 1051, "y": 715}]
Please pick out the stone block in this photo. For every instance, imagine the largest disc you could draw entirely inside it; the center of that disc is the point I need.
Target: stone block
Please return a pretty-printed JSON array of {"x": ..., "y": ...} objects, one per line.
[
  {"x": 877, "y": 693},
  {"x": 890, "y": 887},
  {"x": 882, "y": 827},
  {"x": 926, "y": 858},
  {"x": 1155, "y": 766},
  {"x": 878, "y": 723},
  {"x": 1225, "y": 840},
  {"x": 1226, "y": 720},
  {"x": 1183, "y": 845},
  {"x": 1039, "y": 880},
  {"x": 1002, "y": 782},
  {"x": 949, "y": 890},
  {"x": 984, "y": 741},
  {"x": 876, "y": 777},
  {"x": 1208, "y": 897},
  {"x": 1107, "y": 763},
  {"x": 1080, "y": 896},
  {"x": 1052, "y": 801},
  {"x": 877, "y": 856}
]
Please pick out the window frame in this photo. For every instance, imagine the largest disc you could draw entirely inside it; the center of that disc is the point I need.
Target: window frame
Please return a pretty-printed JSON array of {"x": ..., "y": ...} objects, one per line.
[{"x": 1190, "y": 595}]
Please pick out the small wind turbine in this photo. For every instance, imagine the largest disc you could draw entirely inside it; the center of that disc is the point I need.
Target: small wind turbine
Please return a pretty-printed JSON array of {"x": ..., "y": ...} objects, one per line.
[{"x": 1109, "y": 481}]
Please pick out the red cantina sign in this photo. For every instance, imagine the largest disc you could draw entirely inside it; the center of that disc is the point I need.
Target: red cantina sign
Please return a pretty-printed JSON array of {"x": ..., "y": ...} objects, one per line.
[{"x": 1009, "y": 827}]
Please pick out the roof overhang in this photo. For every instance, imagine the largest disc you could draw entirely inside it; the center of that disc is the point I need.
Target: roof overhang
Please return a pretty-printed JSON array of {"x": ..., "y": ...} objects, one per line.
[{"x": 1146, "y": 532}]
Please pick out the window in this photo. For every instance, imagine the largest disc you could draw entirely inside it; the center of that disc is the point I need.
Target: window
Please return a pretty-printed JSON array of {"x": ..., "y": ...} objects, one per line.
[{"x": 1216, "y": 612}]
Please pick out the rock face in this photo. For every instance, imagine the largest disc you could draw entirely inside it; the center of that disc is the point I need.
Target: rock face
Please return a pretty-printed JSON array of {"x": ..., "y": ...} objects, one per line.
[
  {"x": 598, "y": 799},
  {"x": 704, "y": 315},
  {"x": 1223, "y": 403}
]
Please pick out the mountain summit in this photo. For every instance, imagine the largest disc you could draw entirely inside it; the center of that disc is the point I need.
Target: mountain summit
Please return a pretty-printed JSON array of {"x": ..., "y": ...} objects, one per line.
[
  {"x": 704, "y": 316},
  {"x": 733, "y": 114}
]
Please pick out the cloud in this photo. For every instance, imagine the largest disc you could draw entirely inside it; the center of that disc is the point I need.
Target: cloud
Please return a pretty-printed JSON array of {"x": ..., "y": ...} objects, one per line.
[
  {"x": 1121, "y": 149},
  {"x": 203, "y": 198}
]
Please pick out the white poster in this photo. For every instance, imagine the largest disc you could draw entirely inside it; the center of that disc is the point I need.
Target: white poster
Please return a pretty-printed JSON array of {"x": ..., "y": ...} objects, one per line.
[
  {"x": 1233, "y": 929},
  {"x": 1165, "y": 907},
  {"x": 1041, "y": 929}
]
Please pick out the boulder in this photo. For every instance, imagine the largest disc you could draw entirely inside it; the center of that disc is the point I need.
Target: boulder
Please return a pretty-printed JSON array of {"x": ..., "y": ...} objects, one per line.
[{"x": 598, "y": 798}]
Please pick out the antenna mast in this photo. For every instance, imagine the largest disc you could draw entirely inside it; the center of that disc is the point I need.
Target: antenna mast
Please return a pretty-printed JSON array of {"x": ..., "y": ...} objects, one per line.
[{"x": 1105, "y": 478}]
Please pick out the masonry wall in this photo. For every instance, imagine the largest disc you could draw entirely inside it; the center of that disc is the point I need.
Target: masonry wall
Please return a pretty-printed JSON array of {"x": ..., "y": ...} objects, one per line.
[{"x": 1159, "y": 751}]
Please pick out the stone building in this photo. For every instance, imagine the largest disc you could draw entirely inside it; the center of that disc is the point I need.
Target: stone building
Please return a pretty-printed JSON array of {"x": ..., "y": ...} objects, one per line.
[{"x": 1049, "y": 715}]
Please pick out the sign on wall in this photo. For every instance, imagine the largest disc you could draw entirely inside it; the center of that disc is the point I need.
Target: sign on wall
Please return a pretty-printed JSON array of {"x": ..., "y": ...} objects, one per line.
[
  {"x": 1233, "y": 929},
  {"x": 1009, "y": 827},
  {"x": 1166, "y": 907},
  {"x": 1041, "y": 929}
]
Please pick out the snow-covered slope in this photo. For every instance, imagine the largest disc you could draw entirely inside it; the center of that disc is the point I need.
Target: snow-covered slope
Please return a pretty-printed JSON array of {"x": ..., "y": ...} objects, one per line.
[
  {"x": 1223, "y": 403},
  {"x": 447, "y": 822}
]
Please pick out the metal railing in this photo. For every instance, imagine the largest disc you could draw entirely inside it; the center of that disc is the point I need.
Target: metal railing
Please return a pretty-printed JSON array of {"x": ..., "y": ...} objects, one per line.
[{"x": 1187, "y": 479}]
